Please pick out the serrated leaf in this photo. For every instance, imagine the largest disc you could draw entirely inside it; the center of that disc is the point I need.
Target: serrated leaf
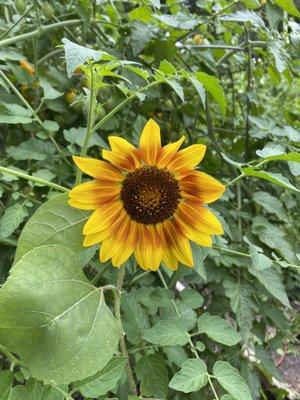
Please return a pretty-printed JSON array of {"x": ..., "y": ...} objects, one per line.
[
  {"x": 34, "y": 149},
  {"x": 178, "y": 20},
  {"x": 191, "y": 377},
  {"x": 55, "y": 222},
  {"x": 259, "y": 260},
  {"x": 11, "y": 219},
  {"x": 212, "y": 85},
  {"x": 77, "y": 55},
  {"x": 199, "y": 88},
  {"x": 77, "y": 136},
  {"x": 267, "y": 362},
  {"x": 271, "y": 204},
  {"x": 49, "y": 91},
  {"x": 218, "y": 329},
  {"x": 199, "y": 255},
  {"x": 244, "y": 16},
  {"x": 230, "y": 379},
  {"x": 167, "y": 332},
  {"x": 273, "y": 177},
  {"x": 167, "y": 68},
  {"x": 63, "y": 334},
  {"x": 253, "y": 4},
  {"x": 152, "y": 371},
  {"x": 104, "y": 380},
  {"x": 176, "y": 87}
]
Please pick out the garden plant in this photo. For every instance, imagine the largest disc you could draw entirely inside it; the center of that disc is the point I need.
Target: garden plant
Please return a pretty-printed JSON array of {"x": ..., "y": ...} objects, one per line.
[{"x": 149, "y": 203}]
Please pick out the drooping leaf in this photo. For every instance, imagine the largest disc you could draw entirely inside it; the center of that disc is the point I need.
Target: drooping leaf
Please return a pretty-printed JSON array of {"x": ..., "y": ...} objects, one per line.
[
  {"x": 191, "y": 377},
  {"x": 212, "y": 85},
  {"x": 56, "y": 322},
  {"x": 191, "y": 298},
  {"x": 11, "y": 219},
  {"x": 14, "y": 114},
  {"x": 271, "y": 204},
  {"x": 288, "y": 6},
  {"x": 273, "y": 177},
  {"x": 34, "y": 149},
  {"x": 218, "y": 329},
  {"x": 230, "y": 379}
]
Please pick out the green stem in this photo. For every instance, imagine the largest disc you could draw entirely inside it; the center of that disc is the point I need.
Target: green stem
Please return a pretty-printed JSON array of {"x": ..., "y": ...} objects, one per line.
[
  {"x": 53, "y": 53},
  {"x": 136, "y": 278},
  {"x": 33, "y": 179},
  {"x": 35, "y": 116},
  {"x": 236, "y": 179},
  {"x": 100, "y": 273},
  {"x": 38, "y": 32},
  {"x": 16, "y": 23},
  {"x": 90, "y": 122},
  {"x": 65, "y": 394},
  {"x": 238, "y": 253},
  {"x": 212, "y": 386},
  {"x": 117, "y": 309},
  {"x": 12, "y": 358}
]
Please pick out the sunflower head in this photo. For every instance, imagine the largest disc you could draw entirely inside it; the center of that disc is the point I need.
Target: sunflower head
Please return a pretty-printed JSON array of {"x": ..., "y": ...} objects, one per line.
[{"x": 149, "y": 201}]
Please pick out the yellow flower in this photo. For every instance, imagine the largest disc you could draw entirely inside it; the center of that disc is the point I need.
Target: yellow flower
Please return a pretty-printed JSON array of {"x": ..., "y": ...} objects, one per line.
[{"x": 147, "y": 201}]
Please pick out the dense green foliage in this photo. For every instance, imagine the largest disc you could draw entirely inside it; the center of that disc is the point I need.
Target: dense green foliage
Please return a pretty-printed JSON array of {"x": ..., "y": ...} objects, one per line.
[{"x": 223, "y": 73}]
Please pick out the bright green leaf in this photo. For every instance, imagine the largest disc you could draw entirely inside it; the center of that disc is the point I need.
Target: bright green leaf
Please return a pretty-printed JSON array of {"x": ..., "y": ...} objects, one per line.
[
  {"x": 168, "y": 332},
  {"x": 191, "y": 377},
  {"x": 152, "y": 371},
  {"x": 212, "y": 85},
  {"x": 273, "y": 177}
]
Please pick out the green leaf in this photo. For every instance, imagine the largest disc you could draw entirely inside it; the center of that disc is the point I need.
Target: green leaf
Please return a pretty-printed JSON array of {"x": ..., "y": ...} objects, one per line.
[
  {"x": 167, "y": 332},
  {"x": 199, "y": 255},
  {"x": 178, "y": 20},
  {"x": 13, "y": 217},
  {"x": 274, "y": 151},
  {"x": 218, "y": 329},
  {"x": 43, "y": 174},
  {"x": 77, "y": 55},
  {"x": 54, "y": 319},
  {"x": 227, "y": 397},
  {"x": 230, "y": 379},
  {"x": 273, "y": 177},
  {"x": 167, "y": 68},
  {"x": 253, "y": 4},
  {"x": 271, "y": 204},
  {"x": 241, "y": 303},
  {"x": 259, "y": 260},
  {"x": 244, "y": 16},
  {"x": 152, "y": 371},
  {"x": 212, "y": 85},
  {"x": 55, "y": 222},
  {"x": 176, "y": 87},
  {"x": 191, "y": 377},
  {"x": 191, "y": 298},
  {"x": 135, "y": 320},
  {"x": 267, "y": 362},
  {"x": 34, "y": 149},
  {"x": 272, "y": 281},
  {"x": 49, "y": 92},
  {"x": 162, "y": 297},
  {"x": 281, "y": 56},
  {"x": 199, "y": 88},
  {"x": 77, "y": 136},
  {"x": 104, "y": 380},
  {"x": 14, "y": 114},
  {"x": 288, "y": 6},
  {"x": 6, "y": 380}
]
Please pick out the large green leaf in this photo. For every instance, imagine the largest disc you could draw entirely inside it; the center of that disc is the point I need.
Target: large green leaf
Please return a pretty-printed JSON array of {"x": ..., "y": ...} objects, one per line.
[
  {"x": 230, "y": 379},
  {"x": 191, "y": 377},
  {"x": 50, "y": 315},
  {"x": 273, "y": 177},
  {"x": 288, "y": 6},
  {"x": 212, "y": 85},
  {"x": 55, "y": 222},
  {"x": 168, "y": 332},
  {"x": 218, "y": 329}
]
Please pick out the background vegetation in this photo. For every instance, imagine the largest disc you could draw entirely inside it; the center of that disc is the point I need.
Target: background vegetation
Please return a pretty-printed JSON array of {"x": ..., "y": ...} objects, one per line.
[{"x": 224, "y": 73}]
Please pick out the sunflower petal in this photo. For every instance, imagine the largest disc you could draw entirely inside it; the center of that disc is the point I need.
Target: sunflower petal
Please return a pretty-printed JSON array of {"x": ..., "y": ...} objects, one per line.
[
  {"x": 180, "y": 245},
  {"x": 104, "y": 217},
  {"x": 119, "y": 159},
  {"x": 128, "y": 248},
  {"x": 192, "y": 233},
  {"x": 167, "y": 152},
  {"x": 100, "y": 192},
  {"x": 143, "y": 248},
  {"x": 95, "y": 238},
  {"x": 168, "y": 257},
  {"x": 92, "y": 204},
  {"x": 187, "y": 158},
  {"x": 156, "y": 245},
  {"x": 150, "y": 144},
  {"x": 126, "y": 150},
  {"x": 98, "y": 169},
  {"x": 201, "y": 185}
]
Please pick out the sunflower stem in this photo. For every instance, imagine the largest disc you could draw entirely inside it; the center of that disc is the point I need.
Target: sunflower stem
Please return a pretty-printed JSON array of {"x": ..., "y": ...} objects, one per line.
[{"x": 117, "y": 309}]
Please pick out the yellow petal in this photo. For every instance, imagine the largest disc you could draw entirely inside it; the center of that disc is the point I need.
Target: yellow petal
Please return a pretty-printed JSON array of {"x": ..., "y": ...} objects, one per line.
[
  {"x": 128, "y": 248},
  {"x": 156, "y": 247},
  {"x": 114, "y": 243},
  {"x": 96, "y": 238},
  {"x": 201, "y": 185},
  {"x": 92, "y": 204},
  {"x": 168, "y": 257},
  {"x": 187, "y": 158},
  {"x": 100, "y": 192},
  {"x": 199, "y": 217},
  {"x": 104, "y": 217},
  {"x": 167, "y": 152},
  {"x": 126, "y": 150},
  {"x": 192, "y": 233},
  {"x": 143, "y": 248},
  {"x": 180, "y": 245},
  {"x": 98, "y": 169},
  {"x": 150, "y": 144},
  {"x": 120, "y": 160}
]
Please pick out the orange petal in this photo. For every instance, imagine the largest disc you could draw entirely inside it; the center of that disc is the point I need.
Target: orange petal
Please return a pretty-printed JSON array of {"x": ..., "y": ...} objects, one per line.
[
  {"x": 157, "y": 250},
  {"x": 187, "y": 158},
  {"x": 114, "y": 243},
  {"x": 128, "y": 248},
  {"x": 150, "y": 144},
  {"x": 95, "y": 238},
  {"x": 98, "y": 169},
  {"x": 101, "y": 192},
  {"x": 168, "y": 257},
  {"x": 91, "y": 204},
  {"x": 143, "y": 248},
  {"x": 192, "y": 233},
  {"x": 126, "y": 149},
  {"x": 199, "y": 217},
  {"x": 119, "y": 159},
  {"x": 201, "y": 185},
  {"x": 167, "y": 152},
  {"x": 104, "y": 217}
]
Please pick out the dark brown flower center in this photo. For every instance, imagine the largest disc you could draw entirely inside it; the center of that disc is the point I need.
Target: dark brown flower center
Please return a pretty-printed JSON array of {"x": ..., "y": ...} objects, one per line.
[{"x": 150, "y": 195}]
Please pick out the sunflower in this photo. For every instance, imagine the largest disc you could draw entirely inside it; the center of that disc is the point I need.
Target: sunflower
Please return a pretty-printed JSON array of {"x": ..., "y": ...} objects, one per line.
[{"x": 149, "y": 201}]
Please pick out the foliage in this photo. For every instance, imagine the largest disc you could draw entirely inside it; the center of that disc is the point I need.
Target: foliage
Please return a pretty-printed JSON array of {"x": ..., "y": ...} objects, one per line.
[{"x": 224, "y": 74}]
